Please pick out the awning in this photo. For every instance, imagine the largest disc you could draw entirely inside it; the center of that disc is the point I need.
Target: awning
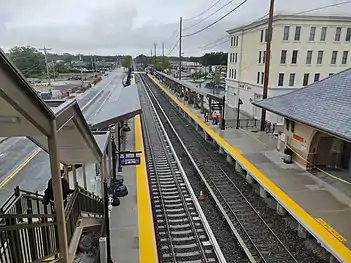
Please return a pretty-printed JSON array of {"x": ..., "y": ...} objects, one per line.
[{"x": 122, "y": 105}]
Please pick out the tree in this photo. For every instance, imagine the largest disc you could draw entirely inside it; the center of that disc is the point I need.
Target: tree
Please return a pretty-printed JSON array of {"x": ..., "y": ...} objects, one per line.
[
  {"x": 162, "y": 63},
  {"x": 126, "y": 61},
  {"x": 28, "y": 60},
  {"x": 214, "y": 58}
]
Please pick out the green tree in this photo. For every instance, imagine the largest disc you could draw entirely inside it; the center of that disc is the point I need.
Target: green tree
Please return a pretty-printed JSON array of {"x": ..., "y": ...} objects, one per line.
[
  {"x": 162, "y": 63},
  {"x": 28, "y": 60},
  {"x": 126, "y": 61}
]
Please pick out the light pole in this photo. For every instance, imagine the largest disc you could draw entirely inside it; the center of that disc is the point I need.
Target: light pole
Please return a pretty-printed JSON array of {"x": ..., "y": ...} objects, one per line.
[{"x": 240, "y": 102}]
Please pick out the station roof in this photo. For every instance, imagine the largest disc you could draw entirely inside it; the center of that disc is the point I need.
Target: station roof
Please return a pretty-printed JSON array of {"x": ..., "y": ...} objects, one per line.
[
  {"x": 24, "y": 114},
  {"x": 122, "y": 105},
  {"x": 191, "y": 87},
  {"x": 324, "y": 105}
]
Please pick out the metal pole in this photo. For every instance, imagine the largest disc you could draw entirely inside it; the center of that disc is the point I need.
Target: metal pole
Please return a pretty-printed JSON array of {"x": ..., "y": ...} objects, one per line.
[
  {"x": 267, "y": 62},
  {"x": 223, "y": 118},
  {"x": 163, "y": 54},
  {"x": 155, "y": 53},
  {"x": 238, "y": 115},
  {"x": 57, "y": 191},
  {"x": 119, "y": 145},
  {"x": 180, "y": 48},
  {"x": 107, "y": 223},
  {"x": 46, "y": 62}
]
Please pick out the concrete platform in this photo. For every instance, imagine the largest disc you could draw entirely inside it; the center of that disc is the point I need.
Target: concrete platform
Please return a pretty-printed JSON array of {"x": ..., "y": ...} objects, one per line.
[{"x": 319, "y": 207}]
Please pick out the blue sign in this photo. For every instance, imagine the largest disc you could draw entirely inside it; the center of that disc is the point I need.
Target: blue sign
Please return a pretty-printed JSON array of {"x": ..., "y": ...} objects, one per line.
[{"x": 129, "y": 160}]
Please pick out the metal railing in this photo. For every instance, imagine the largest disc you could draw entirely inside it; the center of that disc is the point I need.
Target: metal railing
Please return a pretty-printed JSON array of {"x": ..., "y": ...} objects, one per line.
[
  {"x": 243, "y": 123},
  {"x": 28, "y": 229}
]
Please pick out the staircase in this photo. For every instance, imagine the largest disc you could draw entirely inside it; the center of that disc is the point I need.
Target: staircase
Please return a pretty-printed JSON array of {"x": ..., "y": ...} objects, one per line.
[{"x": 28, "y": 230}]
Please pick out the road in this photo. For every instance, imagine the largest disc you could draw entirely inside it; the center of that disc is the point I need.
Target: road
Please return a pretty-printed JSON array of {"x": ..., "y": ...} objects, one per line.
[{"x": 19, "y": 165}]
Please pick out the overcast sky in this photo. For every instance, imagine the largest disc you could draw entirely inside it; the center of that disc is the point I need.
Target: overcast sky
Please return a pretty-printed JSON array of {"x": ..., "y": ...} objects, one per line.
[{"x": 129, "y": 27}]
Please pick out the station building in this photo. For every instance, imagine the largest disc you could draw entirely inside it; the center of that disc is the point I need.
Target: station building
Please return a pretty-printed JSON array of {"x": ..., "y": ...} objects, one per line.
[{"x": 317, "y": 124}]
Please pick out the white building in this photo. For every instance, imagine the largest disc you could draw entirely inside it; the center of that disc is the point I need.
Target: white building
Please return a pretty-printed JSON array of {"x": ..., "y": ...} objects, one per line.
[{"x": 304, "y": 49}]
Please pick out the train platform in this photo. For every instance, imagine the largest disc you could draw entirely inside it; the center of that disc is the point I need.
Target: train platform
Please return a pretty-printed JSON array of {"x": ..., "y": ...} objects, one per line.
[{"x": 320, "y": 209}]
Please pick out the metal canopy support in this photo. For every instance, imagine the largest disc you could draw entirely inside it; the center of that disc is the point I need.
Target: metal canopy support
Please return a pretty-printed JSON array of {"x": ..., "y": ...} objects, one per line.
[
  {"x": 110, "y": 155},
  {"x": 57, "y": 191},
  {"x": 84, "y": 176},
  {"x": 74, "y": 171}
]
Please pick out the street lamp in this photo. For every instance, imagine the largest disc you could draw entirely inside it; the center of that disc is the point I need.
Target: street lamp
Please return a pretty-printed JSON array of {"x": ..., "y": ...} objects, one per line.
[
  {"x": 121, "y": 127},
  {"x": 240, "y": 102},
  {"x": 222, "y": 126}
]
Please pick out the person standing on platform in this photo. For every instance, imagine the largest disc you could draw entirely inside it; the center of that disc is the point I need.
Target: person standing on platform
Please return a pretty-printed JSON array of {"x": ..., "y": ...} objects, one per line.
[
  {"x": 206, "y": 115},
  {"x": 214, "y": 118}
]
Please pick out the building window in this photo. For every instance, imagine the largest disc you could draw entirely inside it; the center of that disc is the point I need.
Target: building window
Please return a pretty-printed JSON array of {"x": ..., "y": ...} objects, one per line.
[
  {"x": 316, "y": 77},
  {"x": 258, "y": 77},
  {"x": 234, "y": 41},
  {"x": 266, "y": 35},
  {"x": 259, "y": 57},
  {"x": 312, "y": 33},
  {"x": 323, "y": 33},
  {"x": 292, "y": 79},
  {"x": 234, "y": 73},
  {"x": 231, "y": 41},
  {"x": 264, "y": 57},
  {"x": 345, "y": 54},
  {"x": 348, "y": 34},
  {"x": 320, "y": 57},
  {"x": 262, "y": 77},
  {"x": 283, "y": 57},
  {"x": 334, "y": 57},
  {"x": 286, "y": 33},
  {"x": 229, "y": 73},
  {"x": 338, "y": 34},
  {"x": 237, "y": 40},
  {"x": 309, "y": 57},
  {"x": 236, "y": 57},
  {"x": 294, "y": 57},
  {"x": 331, "y": 74},
  {"x": 297, "y": 33},
  {"x": 281, "y": 79},
  {"x": 287, "y": 124},
  {"x": 305, "y": 79},
  {"x": 292, "y": 126},
  {"x": 230, "y": 57},
  {"x": 261, "y": 38}
]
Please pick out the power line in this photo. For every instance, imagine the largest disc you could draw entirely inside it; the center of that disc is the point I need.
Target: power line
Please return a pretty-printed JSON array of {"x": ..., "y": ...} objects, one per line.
[
  {"x": 218, "y": 20},
  {"x": 213, "y": 13},
  {"x": 203, "y": 12},
  {"x": 175, "y": 45},
  {"x": 214, "y": 42},
  {"x": 322, "y": 7}
]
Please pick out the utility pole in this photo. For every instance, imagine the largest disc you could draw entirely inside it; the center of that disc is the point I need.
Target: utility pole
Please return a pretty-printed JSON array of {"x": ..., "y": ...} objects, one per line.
[
  {"x": 155, "y": 45},
  {"x": 46, "y": 62},
  {"x": 81, "y": 72},
  {"x": 92, "y": 63},
  {"x": 180, "y": 48},
  {"x": 163, "y": 54},
  {"x": 267, "y": 62},
  {"x": 53, "y": 70}
]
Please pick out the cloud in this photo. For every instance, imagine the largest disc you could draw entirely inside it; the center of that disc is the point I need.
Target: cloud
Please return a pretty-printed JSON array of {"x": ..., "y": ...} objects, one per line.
[{"x": 116, "y": 27}]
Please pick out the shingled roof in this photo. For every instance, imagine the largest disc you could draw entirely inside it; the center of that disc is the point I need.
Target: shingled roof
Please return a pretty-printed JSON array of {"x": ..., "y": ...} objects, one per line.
[{"x": 325, "y": 105}]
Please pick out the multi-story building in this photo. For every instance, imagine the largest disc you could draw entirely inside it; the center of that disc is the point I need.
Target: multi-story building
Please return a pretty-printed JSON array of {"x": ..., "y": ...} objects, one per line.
[{"x": 304, "y": 49}]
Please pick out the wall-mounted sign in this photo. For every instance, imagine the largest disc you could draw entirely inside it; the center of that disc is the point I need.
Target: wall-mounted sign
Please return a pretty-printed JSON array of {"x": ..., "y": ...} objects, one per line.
[
  {"x": 216, "y": 107},
  {"x": 298, "y": 138},
  {"x": 129, "y": 160}
]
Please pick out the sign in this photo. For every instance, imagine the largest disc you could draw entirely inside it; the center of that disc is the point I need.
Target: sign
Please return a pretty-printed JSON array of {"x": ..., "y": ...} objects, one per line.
[
  {"x": 216, "y": 107},
  {"x": 298, "y": 138},
  {"x": 135, "y": 160}
]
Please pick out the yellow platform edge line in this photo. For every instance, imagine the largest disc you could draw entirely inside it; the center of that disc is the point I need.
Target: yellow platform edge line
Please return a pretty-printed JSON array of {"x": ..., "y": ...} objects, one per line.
[
  {"x": 147, "y": 243},
  {"x": 333, "y": 243}
]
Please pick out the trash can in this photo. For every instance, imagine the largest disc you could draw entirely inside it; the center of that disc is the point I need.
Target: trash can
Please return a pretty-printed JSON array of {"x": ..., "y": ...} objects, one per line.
[{"x": 287, "y": 155}]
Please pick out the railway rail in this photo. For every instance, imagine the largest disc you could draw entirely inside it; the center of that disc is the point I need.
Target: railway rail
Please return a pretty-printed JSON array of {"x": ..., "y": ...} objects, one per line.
[
  {"x": 182, "y": 232},
  {"x": 261, "y": 243}
]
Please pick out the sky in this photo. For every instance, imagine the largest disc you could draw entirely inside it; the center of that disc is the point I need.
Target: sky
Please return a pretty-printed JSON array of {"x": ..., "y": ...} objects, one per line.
[{"x": 112, "y": 27}]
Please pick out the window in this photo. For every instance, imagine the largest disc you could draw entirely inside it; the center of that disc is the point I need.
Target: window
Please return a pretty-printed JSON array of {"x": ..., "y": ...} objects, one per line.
[
  {"x": 324, "y": 33},
  {"x": 237, "y": 40},
  {"x": 234, "y": 73},
  {"x": 292, "y": 126},
  {"x": 230, "y": 57},
  {"x": 320, "y": 57},
  {"x": 334, "y": 57},
  {"x": 345, "y": 54},
  {"x": 281, "y": 79},
  {"x": 258, "y": 77},
  {"x": 229, "y": 73},
  {"x": 262, "y": 77},
  {"x": 305, "y": 79},
  {"x": 261, "y": 39},
  {"x": 264, "y": 57},
  {"x": 287, "y": 124},
  {"x": 286, "y": 33},
  {"x": 316, "y": 77},
  {"x": 266, "y": 35},
  {"x": 309, "y": 57},
  {"x": 234, "y": 41},
  {"x": 294, "y": 57},
  {"x": 292, "y": 79},
  {"x": 348, "y": 35},
  {"x": 283, "y": 57},
  {"x": 331, "y": 74},
  {"x": 236, "y": 57},
  {"x": 312, "y": 33},
  {"x": 297, "y": 33},
  {"x": 337, "y": 34},
  {"x": 259, "y": 57}
]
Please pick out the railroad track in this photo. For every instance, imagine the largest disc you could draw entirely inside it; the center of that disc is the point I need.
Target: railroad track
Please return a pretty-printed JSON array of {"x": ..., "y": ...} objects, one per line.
[
  {"x": 182, "y": 232},
  {"x": 262, "y": 243}
]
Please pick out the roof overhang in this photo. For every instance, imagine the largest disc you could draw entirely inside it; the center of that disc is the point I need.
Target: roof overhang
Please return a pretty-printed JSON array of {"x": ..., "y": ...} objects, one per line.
[
  {"x": 122, "y": 105},
  {"x": 22, "y": 112},
  {"x": 76, "y": 143}
]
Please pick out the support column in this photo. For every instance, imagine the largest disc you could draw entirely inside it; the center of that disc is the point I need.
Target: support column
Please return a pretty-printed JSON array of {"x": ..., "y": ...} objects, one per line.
[
  {"x": 238, "y": 167},
  {"x": 249, "y": 178},
  {"x": 57, "y": 191},
  {"x": 103, "y": 176},
  {"x": 281, "y": 210},
  {"x": 301, "y": 231},
  {"x": 84, "y": 176},
  {"x": 210, "y": 108},
  {"x": 230, "y": 158},
  {"x": 74, "y": 172},
  {"x": 202, "y": 103},
  {"x": 263, "y": 193},
  {"x": 110, "y": 155}
]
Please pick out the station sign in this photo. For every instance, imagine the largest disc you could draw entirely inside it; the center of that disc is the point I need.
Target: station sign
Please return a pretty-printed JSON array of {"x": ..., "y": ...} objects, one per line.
[
  {"x": 216, "y": 107},
  {"x": 125, "y": 161}
]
